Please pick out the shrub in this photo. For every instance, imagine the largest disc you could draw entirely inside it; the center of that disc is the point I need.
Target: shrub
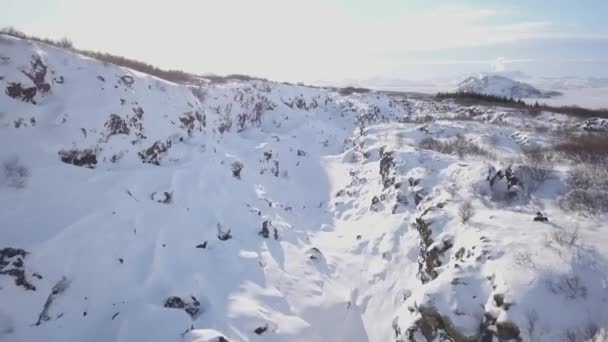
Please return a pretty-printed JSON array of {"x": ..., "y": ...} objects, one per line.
[
  {"x": 459, "y": 146},
  {"x": 537, "y": 163},
  {"x": 15, "y": 173},
  {"x": 466, "y": 211},
  {"x": 570, "y": 287},
  {"x": 565, "y": 238},
  {"x": 585, "y": 201},
  {"x": 589, "y": 192},
  {"x": 585, "y": 148}
]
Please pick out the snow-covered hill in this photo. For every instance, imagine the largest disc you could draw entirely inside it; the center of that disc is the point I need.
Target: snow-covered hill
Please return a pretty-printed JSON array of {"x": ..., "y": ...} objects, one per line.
[
  {"x": 134, "y": 209},
  {"x": 502, "y": 86}
]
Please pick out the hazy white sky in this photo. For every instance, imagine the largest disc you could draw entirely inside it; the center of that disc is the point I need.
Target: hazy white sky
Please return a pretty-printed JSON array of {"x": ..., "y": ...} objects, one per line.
[{"x": 332, "y": 39}]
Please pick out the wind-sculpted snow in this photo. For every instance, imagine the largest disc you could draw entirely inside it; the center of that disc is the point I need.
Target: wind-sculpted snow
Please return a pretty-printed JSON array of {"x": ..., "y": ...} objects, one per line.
[{"x": 258, "y": 211}]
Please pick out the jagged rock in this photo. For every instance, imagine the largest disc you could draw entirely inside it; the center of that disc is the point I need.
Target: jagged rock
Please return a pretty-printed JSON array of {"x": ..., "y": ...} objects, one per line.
[
  {"x": 192, "y": 121},
  {"x": 265, "y": 232},
  {"x": 155, "y": 153},
  {"x": 116, "y": 125},
  {"x": 237, "y": 167},
  {"x": 507, "y": 184},
  {"x": 162, "y": 197},
  {"x": 12, "y": 265},
  {"x": 16, "y": 91},
  {"x": 507, "y": 331},
  {"x": 540, "y": 218},
  {"x": 261, "y": 330},
  {"x": 192, "y": 306},
  {"x": 84, "y": 158},
  {"x": 387, "y": 163},
  {"x": 202, "y": 245},
  {"x": 499, "y": 299},
  {"x": 432, "y": 322},
  {"x": 595, "y": 125}
]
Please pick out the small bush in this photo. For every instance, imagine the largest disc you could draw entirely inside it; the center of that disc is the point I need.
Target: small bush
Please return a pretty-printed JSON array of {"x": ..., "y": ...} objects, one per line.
[
  {"x": 15, "y": 173},
  {"x": 466, "y": 211}
]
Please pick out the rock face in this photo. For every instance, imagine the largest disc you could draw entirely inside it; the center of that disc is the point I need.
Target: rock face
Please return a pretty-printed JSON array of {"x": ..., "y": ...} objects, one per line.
[{"x": 502, "y": 86}]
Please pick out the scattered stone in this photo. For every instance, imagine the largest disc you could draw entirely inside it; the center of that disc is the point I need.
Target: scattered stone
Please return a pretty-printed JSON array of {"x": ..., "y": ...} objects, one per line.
[{"x": 202, "y": 245}]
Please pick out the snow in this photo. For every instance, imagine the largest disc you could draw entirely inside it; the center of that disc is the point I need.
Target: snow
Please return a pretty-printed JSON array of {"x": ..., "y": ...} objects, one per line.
[{"x": 124, "y": 233}]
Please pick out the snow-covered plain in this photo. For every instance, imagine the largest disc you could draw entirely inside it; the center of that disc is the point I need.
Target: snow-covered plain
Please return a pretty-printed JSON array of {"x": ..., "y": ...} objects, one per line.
[{"x": 275, "y": 212}]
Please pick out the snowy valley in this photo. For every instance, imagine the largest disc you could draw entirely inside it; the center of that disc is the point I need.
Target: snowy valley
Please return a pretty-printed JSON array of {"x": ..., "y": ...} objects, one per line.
[{"x": 136, "y": 209}]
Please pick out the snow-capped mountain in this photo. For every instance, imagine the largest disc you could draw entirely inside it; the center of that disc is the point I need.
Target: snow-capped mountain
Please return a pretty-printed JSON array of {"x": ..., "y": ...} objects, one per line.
[
  {"x": 136, "y": 209},
  {"x": 503, "y": 86}
]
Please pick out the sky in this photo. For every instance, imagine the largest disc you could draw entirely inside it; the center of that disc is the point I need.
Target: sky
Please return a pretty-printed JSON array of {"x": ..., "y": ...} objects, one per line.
[{"x": 333, "y": 40}]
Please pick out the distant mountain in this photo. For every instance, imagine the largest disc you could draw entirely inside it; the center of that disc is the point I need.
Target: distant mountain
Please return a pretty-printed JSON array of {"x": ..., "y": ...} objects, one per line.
[
  {"x": 514, "y": 74},
  {"x": 503, "y": 86}
]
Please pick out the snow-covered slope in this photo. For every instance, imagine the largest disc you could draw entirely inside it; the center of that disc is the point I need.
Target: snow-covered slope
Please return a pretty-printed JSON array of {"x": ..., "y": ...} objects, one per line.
[
  {"x": 133, "y": 210},
  {"x": 502, "y": 86}
]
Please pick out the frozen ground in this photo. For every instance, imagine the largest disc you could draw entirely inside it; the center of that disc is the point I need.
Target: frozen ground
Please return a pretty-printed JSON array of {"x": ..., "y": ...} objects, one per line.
[{"x": 132, "y": 209}]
